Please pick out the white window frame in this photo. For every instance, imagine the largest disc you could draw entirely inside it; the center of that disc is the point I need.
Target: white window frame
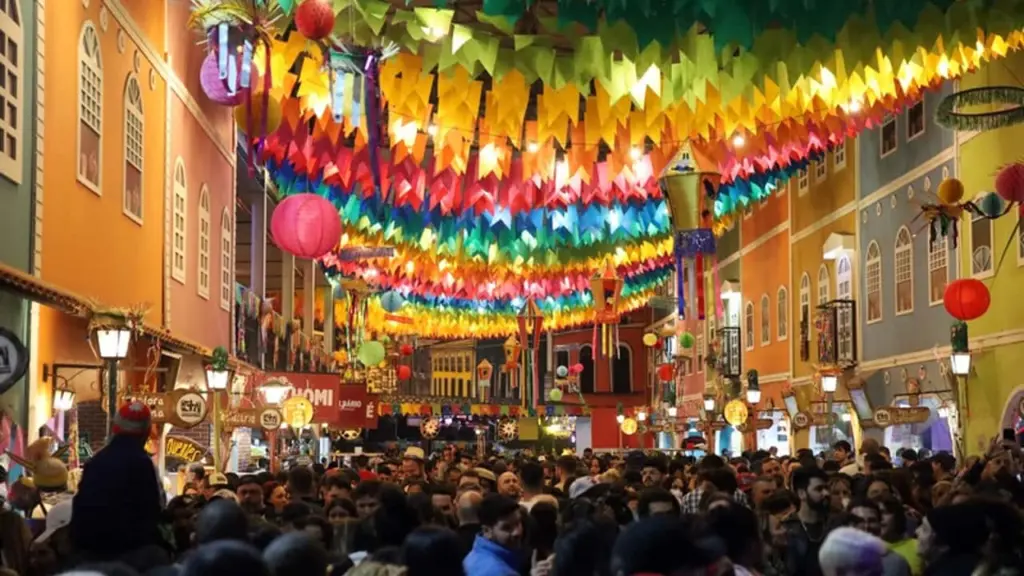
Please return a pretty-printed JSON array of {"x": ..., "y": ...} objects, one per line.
[
  {"x": 179, "y": 222},
  {"x": 782, "y": 310},
  {"x": 766, "y": 320},
  {"x": 203, "y": 266},
  {"x": 886, "y": 121},
  {"x": 803, "y": 181},
  {"x": 12, "y": 133},
  {"x": 937, "y": 250},
  {"x": 873, "y": 282},
  {"x": 839, "y": 156},
  {"x": 903, "y": 251},
  {"x": 133, "y": 110},
  {"x": 844, "y": 291},
  {"x": 227, "y": 286},
  {"x": 821, "y": 170},
  {"x": 824, "y": 285},
  {"x": 92, "y": 63},
  {"x": 748, "y": 325},
  {"x": 924, "y": 125},
  {"x": 987, "y": 273},
  {"x": 805, "y": 297}
]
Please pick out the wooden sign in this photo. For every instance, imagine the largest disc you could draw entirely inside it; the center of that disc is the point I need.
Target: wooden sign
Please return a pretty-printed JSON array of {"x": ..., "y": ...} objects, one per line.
[
  {"x": 159, "y": 412},
  {"x": 184, "y": 449},
  {"x": 270, "y": 419},
  {"x": 892, "y": 416},
  {"x": 184, "y": 408}
]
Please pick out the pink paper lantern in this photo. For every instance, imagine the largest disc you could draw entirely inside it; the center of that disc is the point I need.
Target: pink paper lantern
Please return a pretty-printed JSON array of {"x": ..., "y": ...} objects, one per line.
[
  {"x": 306, "y": 225},
  {"x": 1010, "y": 183},
  {"x": 215, "y": 88}
]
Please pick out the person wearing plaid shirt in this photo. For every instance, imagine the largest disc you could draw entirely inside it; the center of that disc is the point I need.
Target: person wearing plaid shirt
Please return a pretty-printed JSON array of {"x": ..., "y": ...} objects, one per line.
[{"x": 713, "y": 475}]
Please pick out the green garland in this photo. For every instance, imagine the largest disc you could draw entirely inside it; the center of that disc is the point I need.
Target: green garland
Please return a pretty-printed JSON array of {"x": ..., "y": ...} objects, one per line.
[
  {"x": 219, "y": 359},
  {"x": 947, "y": 116}
]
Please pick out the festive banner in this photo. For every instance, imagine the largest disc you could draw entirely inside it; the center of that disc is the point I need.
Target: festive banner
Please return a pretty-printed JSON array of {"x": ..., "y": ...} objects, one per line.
[{"x": 320, "y": 389}]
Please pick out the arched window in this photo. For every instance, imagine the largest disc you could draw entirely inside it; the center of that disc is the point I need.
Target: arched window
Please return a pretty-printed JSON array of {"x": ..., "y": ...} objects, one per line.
[
  {"x": 823, "y": 285},
  {"x": 766, "y": 321},
  {"x": 622, "y": 370},
  {"x": 748, "y": 325},
  {"x": 179, "y": 221},
  {"x": 782, "y": 311},
  {"x": 133, "y": 149},
  {"x": 90, "y": 109},
  {"x": 204, "y": 242},
  {"x": 227, "y": 289},
  {"x": 981, "y": 245},
  {"x": 11, "y": 90},
  {"x": 904, "y": 263},
  {"x": 586, "y": 359},
  {"x": 805, "y": 300},
  {"x": 844, "y": 291},
  {"x": 938, "y": 269},
  {"x": 873, "y": 279}
]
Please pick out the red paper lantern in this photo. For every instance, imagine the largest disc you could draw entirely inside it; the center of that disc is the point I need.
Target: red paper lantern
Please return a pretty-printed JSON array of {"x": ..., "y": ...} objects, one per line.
[
  {"x": 306, "y": 225},
  {"x": 576, "y": 368},
  {"x": 666, "y": 372},
  {"x": 406, "y": 349},
  {"x": 404, "y": 372},
  {"x": 315, "y": 19},
  {"x": 1010, "y": 183},
  {"x": 966, "y": 299}
]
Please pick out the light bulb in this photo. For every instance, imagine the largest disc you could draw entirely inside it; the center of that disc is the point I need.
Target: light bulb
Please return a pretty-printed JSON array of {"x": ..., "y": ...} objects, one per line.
[
  {"x": 620, "y": 418},
  {"x": 854, "y": 105},
  {"x": 846, "y": 417},
  {"x": 532, "y": 147},
  {"x": 635, "y": 153},
  {"x": 432, "y": 129},
  {"x": 672, "y": 411},
  {"x": 738, "y": 141},
  {"x": 641, "y": 416}
]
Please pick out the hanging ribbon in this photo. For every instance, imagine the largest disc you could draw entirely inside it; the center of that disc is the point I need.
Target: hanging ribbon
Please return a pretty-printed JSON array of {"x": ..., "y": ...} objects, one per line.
[
  {"x": 372, "y": 99},
  {"x": 699, "y": 265},
  {"x": 716, "y": 287}
]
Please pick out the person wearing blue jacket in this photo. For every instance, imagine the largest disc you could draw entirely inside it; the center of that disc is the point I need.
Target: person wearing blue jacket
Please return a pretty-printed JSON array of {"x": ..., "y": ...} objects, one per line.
[{"x": 496, "y": 549}]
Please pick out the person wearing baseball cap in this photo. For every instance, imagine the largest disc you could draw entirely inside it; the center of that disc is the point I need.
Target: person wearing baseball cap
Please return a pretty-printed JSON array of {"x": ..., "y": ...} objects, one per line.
[{"x": 118, "y": 506}]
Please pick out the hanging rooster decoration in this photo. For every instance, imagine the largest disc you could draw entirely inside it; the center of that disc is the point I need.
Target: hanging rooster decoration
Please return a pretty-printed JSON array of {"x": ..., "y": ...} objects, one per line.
[{"x": 606, "y": 288}]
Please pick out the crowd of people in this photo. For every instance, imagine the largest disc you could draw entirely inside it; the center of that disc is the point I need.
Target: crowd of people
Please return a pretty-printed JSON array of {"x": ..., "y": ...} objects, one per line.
[{"x": 452, "y": 514}]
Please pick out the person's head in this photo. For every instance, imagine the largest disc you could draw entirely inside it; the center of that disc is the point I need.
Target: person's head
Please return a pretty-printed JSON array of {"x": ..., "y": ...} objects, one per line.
[
  {"x": 442, "y": 498},
  {"x": 214, "y": 482},
  {"x": 953, "y": 530},
  {"x": 848, "y": 551},
  {"x": 300, "y": 483},
  {"x": 453, "y": 475},
  {"x": 221, "y": 520},
  {"x": 565, "y": 467},
  {"x": 340, "y": 510},
  {"x": 132, "y": 423},
  {"x": 250, "y": 493},
  {"x": 665, "y": 545},
  {"x": 718, "y": 479},
  {"x": 738, "y": 528},
  {"x": 508, "y": 485},
  {"x": 811, "y": 486},
  {"x": 877, "y": 488},
  {"x": 894, "y": 519},
  {"x": 761, "y": 489},
  {"x": 532, "y": 476},
  {"x": 275, "y": 496},
  {"x": 588, "y": 453},
  {"x": 770, "y": 467},
  {"x": 367, "y": 497},
  {"x": 908, "y": 456},
  {"x": 874, "y": 462},
  {"x": 841, "y": 451},
  {"x": 432, "y": 551},
  {"x": 225, "y": 558},
  {"x": 864, "y": 514},
  {"x": 501, "y": 521},
  {"x": 319, "y": 528},
  {"x": 412, "y": 463},
  {"x": 943, "y": 464},
  {"x": 468, "y": 507},
  {"x": 414, "y": 487},
  {"x": 656, "y": 501},
  {"x": 840, "y": 489},
  {"x": 335, "y": 487},
  {"x": 870, "y": 446},
  {"x": 586, "y": 548},
  {"x": 654, "y": 471},
  {"x": 470, "y": 481},
  {"x": 296, "y": 554}
]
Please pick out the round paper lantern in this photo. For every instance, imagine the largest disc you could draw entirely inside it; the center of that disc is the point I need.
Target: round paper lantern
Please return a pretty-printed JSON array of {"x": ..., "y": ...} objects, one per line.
[
  {"x": 966, "y": 299},
  {"x": 686, "y": 340},
  {"x": 403, "y": 372},
  {"x": 245, "y": 112},
  {"x": 561, "y": 371},
  {"x": 215, "y": 88},
  {"x": 666, "y": 372},
  {"x": 577, "y": 368},
  {"x": 314, "y": 19},
  {"x": 306, "y": 225},
  {"x": 1010, "y": 183},
  {"x": 992, "y": 205},
  {"x": 392, "y": 301},
  {"x": 950, "y": 191},
  {"x": 371, "y": 353},
  {"x": 650, "y": 339},
  {"x": 406, "y": 349},
  {"x": 555, "y": 395}
]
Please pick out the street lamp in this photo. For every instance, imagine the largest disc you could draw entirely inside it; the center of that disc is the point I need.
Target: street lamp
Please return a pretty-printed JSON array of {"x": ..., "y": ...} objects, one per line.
[
  {"x": 275, "y": 391},
  {"x": 960, "y": 363},
  {"x": 218, "y": 375},
  {"x": 753, "y": 396},
  {"x": 709, "y": 403},
  {"x": 113, "y": 347},
  {"x": 63, "y": 399},
  {"x": 829, "y": 383},
  {"x": 673, "y": 411}
]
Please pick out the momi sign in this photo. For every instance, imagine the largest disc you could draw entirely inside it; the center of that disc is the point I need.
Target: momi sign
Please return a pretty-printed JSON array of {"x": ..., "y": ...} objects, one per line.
[{"x": 320, "y": 389}]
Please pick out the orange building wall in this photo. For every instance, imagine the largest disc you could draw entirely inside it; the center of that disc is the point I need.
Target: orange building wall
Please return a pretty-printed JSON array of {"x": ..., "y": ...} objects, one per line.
[
  {"x": 765, "y": 269},
  {"x": 192, "y": 316},
  {"x": 149, "y": 16},
  {"x": 764, "y": 216},
  {"x": 89, "y": 246}
]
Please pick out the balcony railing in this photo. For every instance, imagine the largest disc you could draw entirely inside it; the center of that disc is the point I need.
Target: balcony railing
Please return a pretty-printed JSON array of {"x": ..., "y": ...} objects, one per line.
[
  {"x": 730, "y": 358},
  {"x": 836, "y": 327}
]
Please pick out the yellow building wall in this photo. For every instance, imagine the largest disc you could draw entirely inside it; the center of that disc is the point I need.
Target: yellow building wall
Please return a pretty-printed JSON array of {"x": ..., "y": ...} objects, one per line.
[{"x": 824, "y": 198}]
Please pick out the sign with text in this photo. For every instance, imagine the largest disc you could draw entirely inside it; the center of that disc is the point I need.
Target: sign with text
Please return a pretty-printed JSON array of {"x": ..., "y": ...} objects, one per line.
[
  {"x": 892, "y": 416},
  {"x": 232, "y": 418},
  {"x": 320, "y": 389},
  {"x": 184, "y": 449},
  {"x": 13, "y": 359},
  {"x": 183, "y": 408},
  {"x": 357, "y": 409}
]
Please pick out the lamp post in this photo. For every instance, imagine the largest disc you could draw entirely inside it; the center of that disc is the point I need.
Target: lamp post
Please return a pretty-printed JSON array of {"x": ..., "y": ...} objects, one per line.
[
  {"x": 274, "y": 392},
  {"x": 63, "y": 399},
  {"x": 218, "y": 375},
  {"x": 113, "y": 347}
]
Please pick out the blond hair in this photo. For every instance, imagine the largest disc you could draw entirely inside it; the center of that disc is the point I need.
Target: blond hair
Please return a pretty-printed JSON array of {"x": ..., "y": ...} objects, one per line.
[{"x": 376, "y": 569}]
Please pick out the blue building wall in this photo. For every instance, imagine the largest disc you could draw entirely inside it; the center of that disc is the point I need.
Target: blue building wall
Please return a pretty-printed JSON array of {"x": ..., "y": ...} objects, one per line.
[
  {"x": 927, "y": 324},
  {"x": 888, "y": 387},
  {"x": 876, "y": 172}
]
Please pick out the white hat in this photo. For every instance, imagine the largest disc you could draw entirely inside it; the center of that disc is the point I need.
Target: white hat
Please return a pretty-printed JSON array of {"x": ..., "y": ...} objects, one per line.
[
  {"x": 851, "y": 551},
  {"x": 414, "y": 453},
  {"x": 56, "y": 518}
]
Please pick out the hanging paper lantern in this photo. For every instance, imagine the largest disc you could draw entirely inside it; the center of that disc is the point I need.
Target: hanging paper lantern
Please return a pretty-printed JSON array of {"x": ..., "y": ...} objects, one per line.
[
  {"x": 306, "y": 225},
  {"x": 561, "y": 371},
  {"x": 314, "y": 19},
  {"x": 966, "y": 299},
  {"x": 215, "y": 88},
  {"x": 576, "y": 368},
  {"x": 992, "y": 205},
  {"x": 650, "y": 339},
  {"x": 666, "y": 372},
  {"x": 555, "y": 395},
  {"x": 392, "y": 301},
  {"x": 406, "y": 349},
  {"x": 403, "y": 372},
  {"x": 686, "y": 340},
  {"x": 371, "y": 353},
  {"x": 250, "y": 115},
  {"x": 1010, "y": 183},
  {"x": 950, "y": 191}
]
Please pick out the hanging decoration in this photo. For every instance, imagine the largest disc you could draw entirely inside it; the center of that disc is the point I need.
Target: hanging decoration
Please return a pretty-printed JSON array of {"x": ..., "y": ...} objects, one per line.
[
  {"x": 531, "y": 323},
  {"x": 315, "y": 19},
  {"x": 949, "y": 113},
  {"x": 966, "y": 299},
  {"x": 508, "y": 429},
  {"x": 650, "y": 339},
  {"x": 484, "y": 370},
  {"x": 606, "y": 291},
  {"x": 430, "y": 427},
  {"x": 305, "y": 225},
  {"x": 512, "y": 351},
  {"x": 403, "y": 372},
  {"x": 392, "y": 301}
]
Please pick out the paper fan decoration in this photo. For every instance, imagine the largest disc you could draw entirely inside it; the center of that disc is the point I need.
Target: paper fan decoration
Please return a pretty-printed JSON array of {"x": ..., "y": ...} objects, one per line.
[
  {"x": 352, "y": 434},
  {"x": 508, "y": 429},
  {"x": 430, "y": 427}
]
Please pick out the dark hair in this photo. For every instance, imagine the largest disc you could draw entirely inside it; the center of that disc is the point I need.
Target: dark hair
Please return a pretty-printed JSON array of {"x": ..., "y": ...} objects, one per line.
[
  {"x": 432, "y": 551},
  {"x": 803, "y": 475},
  {"x": 662, "y": 545},
  {"x": 387, "y": 555},
  {"x": 295, "y": 511},
  {"x": 395, "y": 518},
  {"x": 543, "y": 531},
  {"x": 296, "y": 554},
  {"x": 567, "y": 463},
  {"x": 247, "y": 479},
  {"x": 532, "y": 475},
  {"x": 710, "y": 462},
  {"x": 268, "y": 491},
  {"x": 907, "y": 455},
  {"x": 657, "y": 463},
  {"x": 266, "y": 534},
  {"x": 300, "y": 480},
  {"x": 494, "y": 507},
  {"x": 737, "y": 527},
  {"x": 221, "y": 520},
  {"x": 367, "y": 489},
  {"x": 890, "y": 505},
  {"x": 945, "y": 460},
  {"x": 861, "y": 502},
  {"x": 336, "y": 481},
  {"x": 326, "y": 529},
  {"x": 721, "y": 478},
  {"x": 843, "y": 445},
  {"x": 441, "y": 489},
  {"x": 225, "y": 559},
  {"x": 877, "y": 462},
  {"x": 780, "y": 501},
  {"x": 586, "y": 549},
  {"x": 343, "y": 503},
  {"x": 830, "y": 466},
  {"x": 656, "y": 495}
]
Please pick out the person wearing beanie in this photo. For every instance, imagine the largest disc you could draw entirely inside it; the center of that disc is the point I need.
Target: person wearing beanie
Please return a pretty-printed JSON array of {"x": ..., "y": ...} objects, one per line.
[
  {"x": 852, "y": 551},
  {"x": 117, "y": 508}
]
